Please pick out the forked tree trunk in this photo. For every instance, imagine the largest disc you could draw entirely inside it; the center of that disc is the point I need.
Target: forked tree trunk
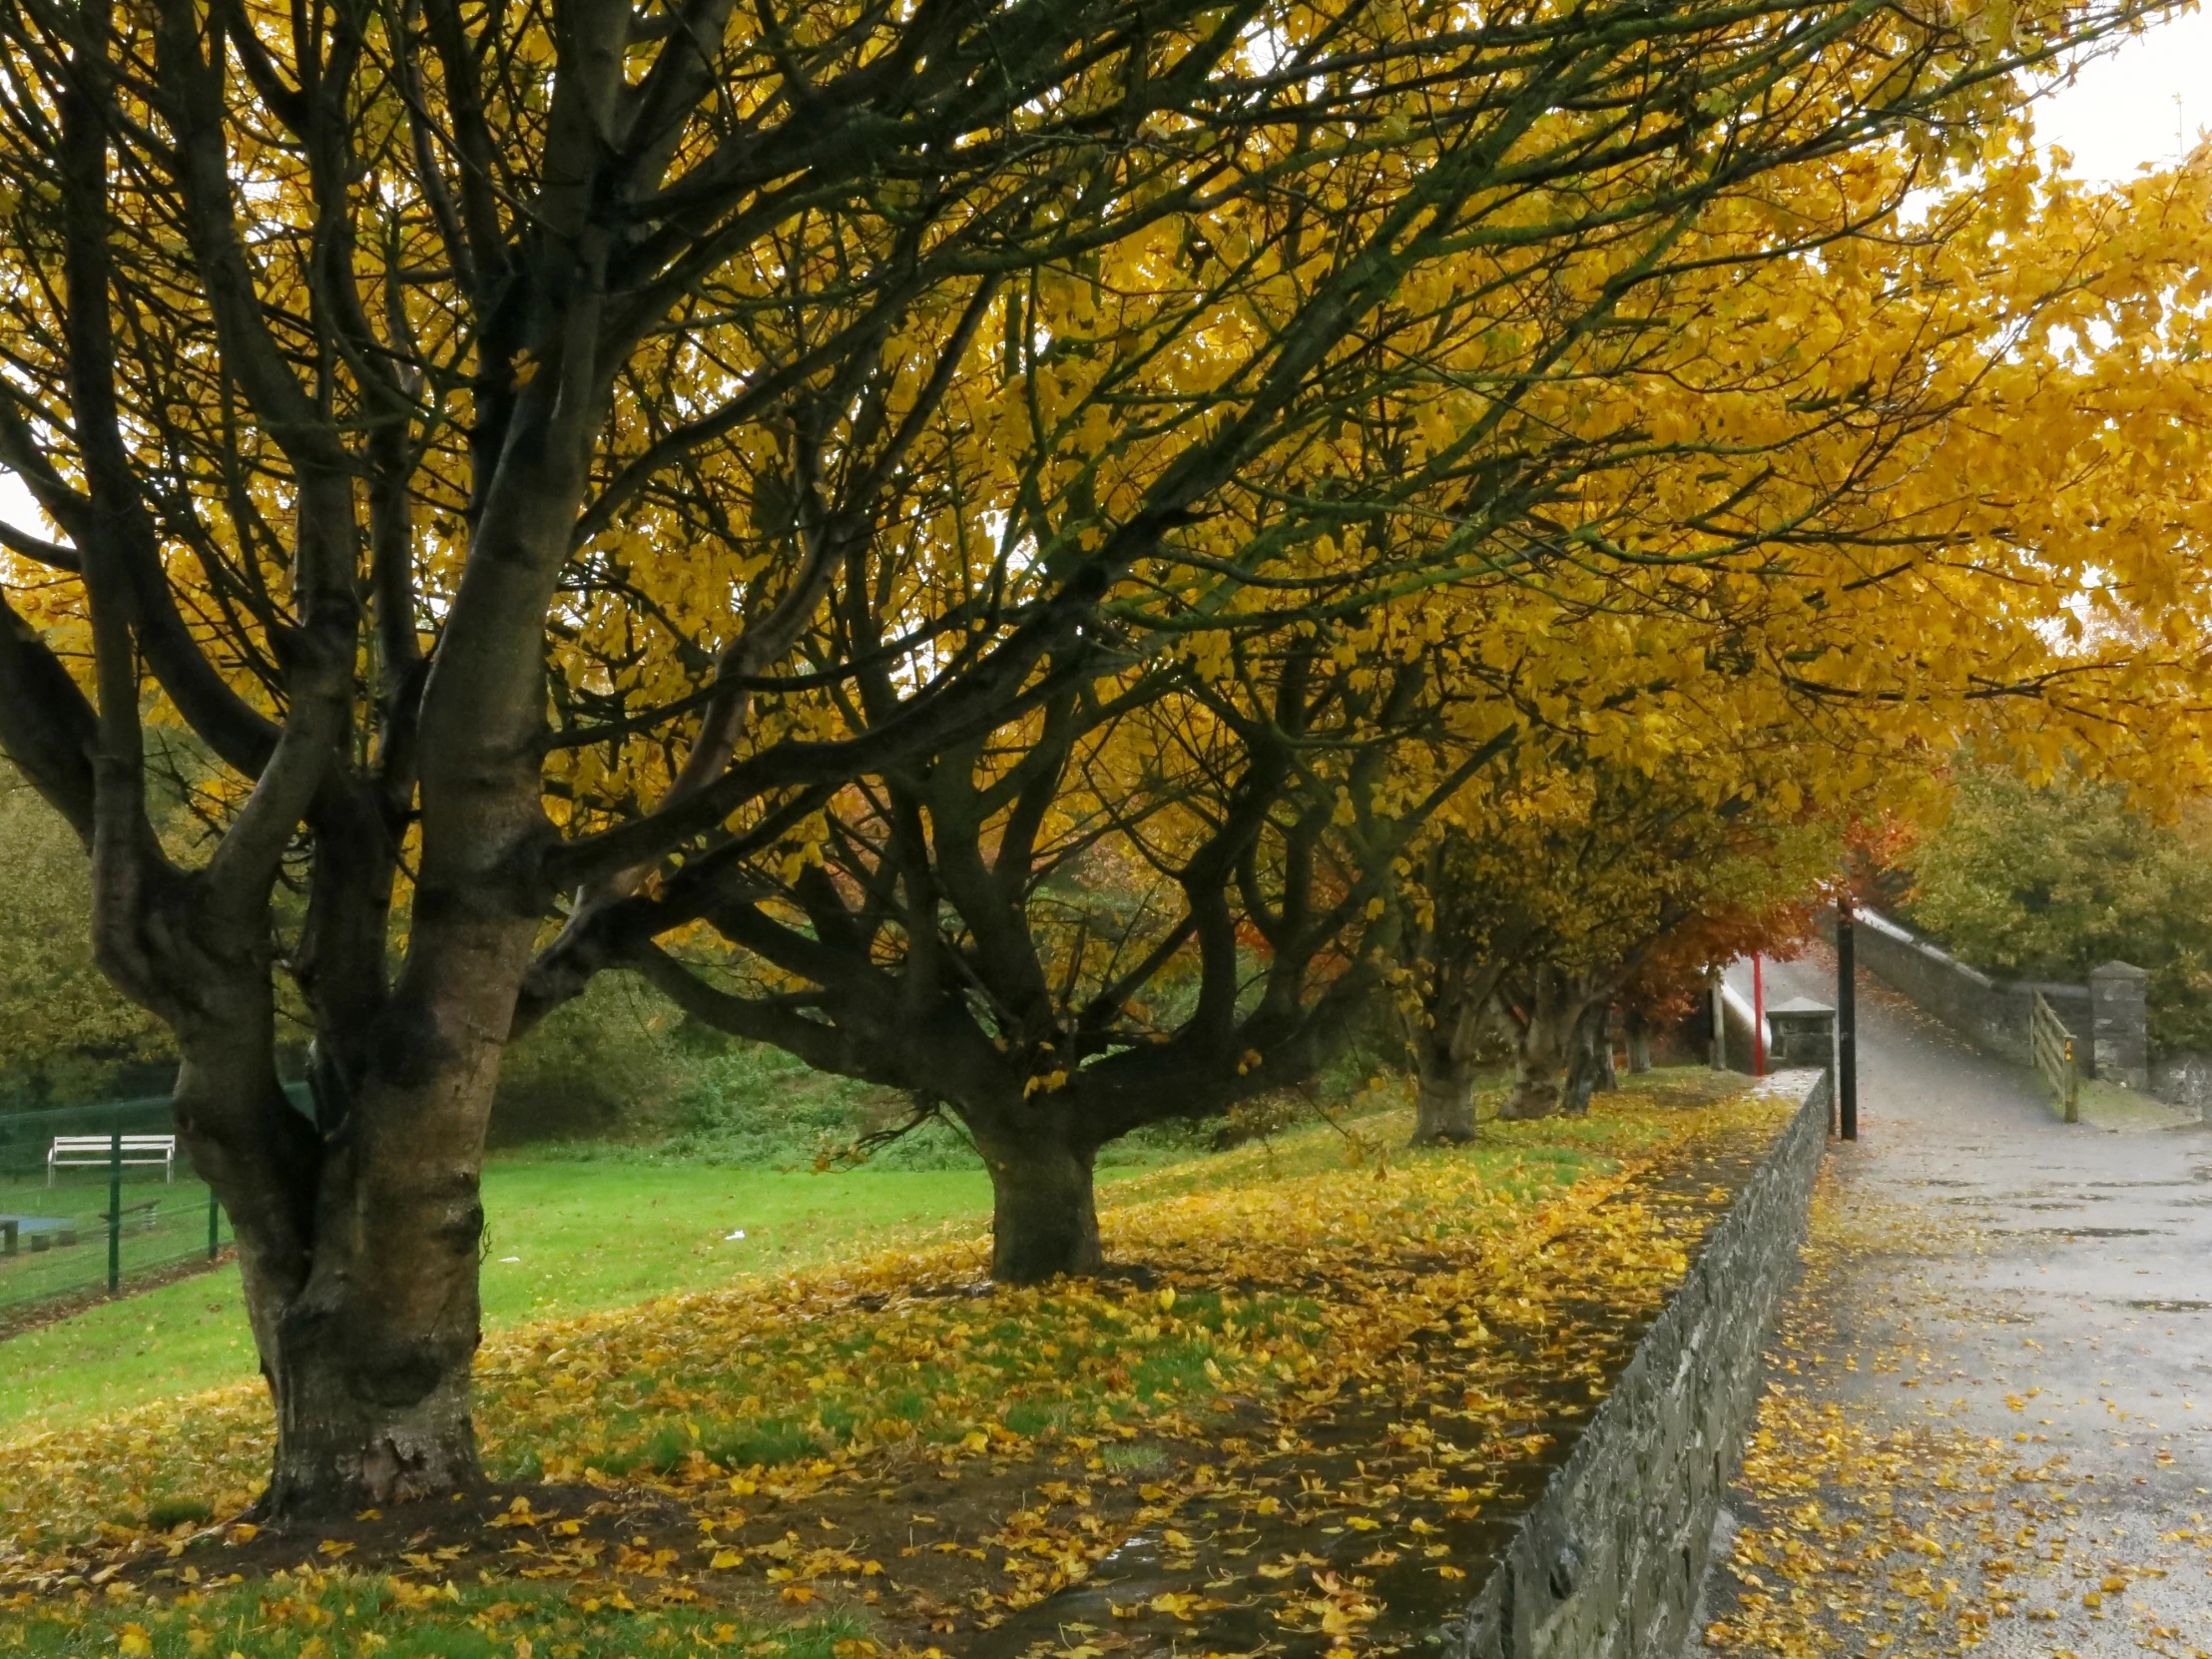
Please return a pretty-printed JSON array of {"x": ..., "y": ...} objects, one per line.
[
  {"x": 359, "y": 1263},
  {"x": 359, "y": 1234},
  {"x": 1444, "y": 1038},
  {"x": 372, "y": 1359},
  {"x": 1044, "y": 1212}
]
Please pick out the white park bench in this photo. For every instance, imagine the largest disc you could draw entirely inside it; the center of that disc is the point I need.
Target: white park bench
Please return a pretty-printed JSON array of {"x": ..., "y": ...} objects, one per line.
[{"x": 71, "y": 1151}]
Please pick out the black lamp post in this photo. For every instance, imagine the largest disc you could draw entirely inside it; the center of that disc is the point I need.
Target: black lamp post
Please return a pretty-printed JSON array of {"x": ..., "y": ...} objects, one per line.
[{"x": 1846, "y": 1025}]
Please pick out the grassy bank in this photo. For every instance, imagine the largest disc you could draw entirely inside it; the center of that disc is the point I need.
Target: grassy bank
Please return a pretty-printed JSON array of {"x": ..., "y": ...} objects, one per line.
[
  {"x": 766, "y": 1462},
  {"x": 566, "y": 1236}
]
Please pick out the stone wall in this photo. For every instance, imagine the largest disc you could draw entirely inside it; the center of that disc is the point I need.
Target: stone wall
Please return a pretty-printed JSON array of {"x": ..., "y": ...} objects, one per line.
[
  {"x": 1607, "y": 1564},
  {"x": 2184, "y": 1079},
  {"x": 1989, "y": 1013},
  {"x": 2119, "y": 1023}
]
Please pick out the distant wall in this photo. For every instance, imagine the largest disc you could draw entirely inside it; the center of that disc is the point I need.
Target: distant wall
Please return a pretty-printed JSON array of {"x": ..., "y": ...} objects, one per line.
[
  {"x": 1989, "y": 1013},
  {"x": 2184, "y": 1079},
  {"x": 1741, "y": 1023},
  {"x": 1607, "y": 1564}
]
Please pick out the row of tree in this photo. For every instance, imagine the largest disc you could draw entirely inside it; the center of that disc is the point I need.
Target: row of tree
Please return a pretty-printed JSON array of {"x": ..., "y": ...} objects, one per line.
[
  {"x": 1591, "y": 892},
  {"x": 1039, "y": 554}
]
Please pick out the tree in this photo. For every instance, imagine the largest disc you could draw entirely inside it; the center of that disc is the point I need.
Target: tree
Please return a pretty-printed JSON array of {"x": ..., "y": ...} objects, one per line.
[
  {"x": 1447, "y": 989},
  {"x": 1545, "y": 898},
  {"x": 1903, "y": 654},
  {"x": 548, "y": 458},
  {"x": 2049, "y": 881},
  {"x": 1076, "y": 934},
  {"x": 1674, "y": 980},
  {"x": 1007, "y": 929},
  {"x": 60, "y": 1021}
]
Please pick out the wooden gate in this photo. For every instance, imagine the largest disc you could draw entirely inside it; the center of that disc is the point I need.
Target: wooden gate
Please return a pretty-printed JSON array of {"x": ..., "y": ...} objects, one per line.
[{"x": 2054, "y": 1047}]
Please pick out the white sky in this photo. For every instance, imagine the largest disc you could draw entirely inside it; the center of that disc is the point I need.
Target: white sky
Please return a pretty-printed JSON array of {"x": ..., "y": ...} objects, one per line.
[
  {"x": 16, "y": 505},
  {"x": 2142, "y": 105}
]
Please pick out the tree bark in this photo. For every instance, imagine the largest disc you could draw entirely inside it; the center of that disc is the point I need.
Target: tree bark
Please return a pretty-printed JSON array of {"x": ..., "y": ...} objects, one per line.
[
  {"x": 368, "y": 1412},
  {"x": 1444, "y": 1037},
  {"x": 1639, "y": 1042},
  {"x": 1541, "y": 1056},
  {"x": 359, "y": 1231},
  {"x": 358, "y": 1248},
  {"x": 1590, "y": 1063},
  {"x": 1044, "y": 1212},
  {"x": 1443, "y": 1110},
  {"x": 370, "y": 1362}
]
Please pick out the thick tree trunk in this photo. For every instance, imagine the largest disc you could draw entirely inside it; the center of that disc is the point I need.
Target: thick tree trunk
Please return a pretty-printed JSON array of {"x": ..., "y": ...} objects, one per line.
[
  {"x": 366, "y": 1417},
  {"x": 1443, "y": 1111},
  {"x": 1443, "y": 1038},
  {"x": 371, "y": 1359},
  {"x": 1539, "y": 1059},
  {"x": 1535, "y": 1092},
  {"x": 359, "y": 1233},
  {"x": 1639, "y": 1042},
  {"x": 1044, "y": 1215},
  {"x": 358, "y": 1253},
  {"x": 1590, "y": 1065}
]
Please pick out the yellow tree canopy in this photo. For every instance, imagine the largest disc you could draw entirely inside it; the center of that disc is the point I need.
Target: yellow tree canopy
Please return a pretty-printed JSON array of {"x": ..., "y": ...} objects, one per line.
[{"x": 605, "y": 461}]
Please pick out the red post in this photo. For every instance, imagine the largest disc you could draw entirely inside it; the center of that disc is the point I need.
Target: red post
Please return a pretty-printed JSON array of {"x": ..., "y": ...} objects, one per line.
[{"x": 1758, "y": 1017}]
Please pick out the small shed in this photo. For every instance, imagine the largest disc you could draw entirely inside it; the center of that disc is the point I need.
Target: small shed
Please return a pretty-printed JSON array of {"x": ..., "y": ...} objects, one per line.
[{"x": 1800, "y": 1032}]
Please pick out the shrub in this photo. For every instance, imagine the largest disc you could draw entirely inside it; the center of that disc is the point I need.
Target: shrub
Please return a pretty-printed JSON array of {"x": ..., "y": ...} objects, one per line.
[
  {"x": 2047, "y": 882},
  {"x": 66, "y": 1034}
]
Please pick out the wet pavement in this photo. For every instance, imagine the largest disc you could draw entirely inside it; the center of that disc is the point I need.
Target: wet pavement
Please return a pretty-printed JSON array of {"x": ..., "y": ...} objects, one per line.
[{"x": 1997, "y": 1276}]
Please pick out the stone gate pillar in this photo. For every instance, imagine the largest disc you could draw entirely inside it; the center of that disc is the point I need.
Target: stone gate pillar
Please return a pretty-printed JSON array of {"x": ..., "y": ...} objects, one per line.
[{"x": 2119, "y": 1025}]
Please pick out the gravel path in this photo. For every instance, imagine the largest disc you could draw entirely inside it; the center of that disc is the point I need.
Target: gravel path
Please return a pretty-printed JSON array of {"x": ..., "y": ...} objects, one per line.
[{"x": 1995, "y": 1386}]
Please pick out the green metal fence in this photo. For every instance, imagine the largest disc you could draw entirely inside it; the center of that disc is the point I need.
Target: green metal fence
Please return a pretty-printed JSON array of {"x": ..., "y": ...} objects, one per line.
[{"x": 90, "y": 1199}]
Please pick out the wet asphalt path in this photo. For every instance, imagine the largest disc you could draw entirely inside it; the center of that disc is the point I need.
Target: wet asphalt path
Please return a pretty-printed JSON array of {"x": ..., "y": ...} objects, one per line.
[{"x": 2050, "y": 1289}]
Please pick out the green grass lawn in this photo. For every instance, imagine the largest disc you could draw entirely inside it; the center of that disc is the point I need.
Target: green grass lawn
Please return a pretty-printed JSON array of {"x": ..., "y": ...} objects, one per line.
[
  {"x": 581, "y": 1235},
  {"x": 394, "y": 1619},
  {"x": 814, "y": 1371},
  {"x": 569, "y": 1235},
  {"x": 161, "y": 1222},
  {"x": 798, "y": 1385}
]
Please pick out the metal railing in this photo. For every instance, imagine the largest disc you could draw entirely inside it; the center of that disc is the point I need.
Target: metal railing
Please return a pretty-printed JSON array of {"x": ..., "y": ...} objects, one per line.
[
  {"x": 91, "y": 1225},
  {"x": 2054, "y": 1048}
]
